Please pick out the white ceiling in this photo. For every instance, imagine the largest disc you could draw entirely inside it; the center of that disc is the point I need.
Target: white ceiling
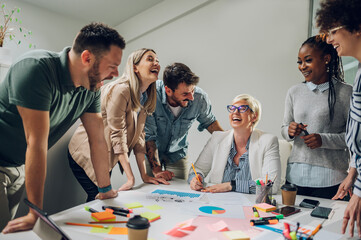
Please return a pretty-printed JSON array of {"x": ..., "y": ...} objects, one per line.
[{"x": 111, "y": 12}]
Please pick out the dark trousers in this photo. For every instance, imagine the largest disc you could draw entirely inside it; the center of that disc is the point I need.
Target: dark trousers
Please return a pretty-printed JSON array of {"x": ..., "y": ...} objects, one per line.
[
  {"x": 324, "y": 192},
  {"x": 89, "y": 187}
]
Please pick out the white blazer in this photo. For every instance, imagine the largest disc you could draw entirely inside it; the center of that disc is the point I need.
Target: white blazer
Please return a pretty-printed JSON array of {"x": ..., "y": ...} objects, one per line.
[{"x": 263, "y": 157}]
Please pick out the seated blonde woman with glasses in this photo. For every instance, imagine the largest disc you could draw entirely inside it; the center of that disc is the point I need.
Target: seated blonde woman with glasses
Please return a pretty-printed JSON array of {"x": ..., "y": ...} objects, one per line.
[{"x": 233, "y": 160}]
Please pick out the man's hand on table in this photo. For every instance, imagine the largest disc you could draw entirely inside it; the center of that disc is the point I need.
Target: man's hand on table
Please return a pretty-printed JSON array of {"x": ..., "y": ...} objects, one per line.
[
  {"x": 110, "y": 194},
  {"x": 21, "y": 224}
]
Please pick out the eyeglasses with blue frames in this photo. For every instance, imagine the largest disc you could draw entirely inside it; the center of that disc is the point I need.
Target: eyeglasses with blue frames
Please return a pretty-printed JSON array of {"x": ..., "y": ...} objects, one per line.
[{"x": 241, "y": 108}]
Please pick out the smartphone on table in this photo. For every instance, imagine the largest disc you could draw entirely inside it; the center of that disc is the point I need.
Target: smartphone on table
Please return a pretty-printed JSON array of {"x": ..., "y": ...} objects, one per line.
[
  {"x": 309, "y": 203},
  {"x": 286, "y": 211}
]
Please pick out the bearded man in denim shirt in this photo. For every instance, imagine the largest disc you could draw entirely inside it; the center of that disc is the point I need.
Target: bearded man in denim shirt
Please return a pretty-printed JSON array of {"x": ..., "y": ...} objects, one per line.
[{"x": 179, "y": 104}]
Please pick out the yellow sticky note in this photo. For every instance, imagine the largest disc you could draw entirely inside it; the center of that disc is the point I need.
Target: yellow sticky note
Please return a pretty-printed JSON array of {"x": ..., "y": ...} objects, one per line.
[
  {"x": 154, "y": 207},
  {"x": 150, "y": 216},
  {"x": 236, "y": 235},
  {"x": 101, "y": 230},
  {"x": 134, "y": 205},
  {"x": 119, "y": 231}
]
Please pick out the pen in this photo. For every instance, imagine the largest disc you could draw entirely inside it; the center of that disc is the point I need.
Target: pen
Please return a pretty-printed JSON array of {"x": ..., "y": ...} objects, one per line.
[
  {"x": 254, "y": 222},
  {"x": 118, "y": 213},
  {"x": 273, "y": 217},
  {"x": 262, "y": 184},
  {"x": 89, "y": 209},
  {"x": 258, "y": 183},
  {"x": 286, "y": 231},
  {"x": 109, "y": 222},
  {"x": 196, "y": 174},
  {"x": 119, "y": 209},
  {"x": 304, "y": 130},
  {"x": 255, "y": 212},
  {"x": 85, "y": 225},
  {"x": 266, "y": 178}
]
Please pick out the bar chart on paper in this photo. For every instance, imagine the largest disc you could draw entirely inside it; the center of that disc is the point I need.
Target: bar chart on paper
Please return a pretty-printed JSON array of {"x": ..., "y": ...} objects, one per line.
[{"x": 170, "y": 195}]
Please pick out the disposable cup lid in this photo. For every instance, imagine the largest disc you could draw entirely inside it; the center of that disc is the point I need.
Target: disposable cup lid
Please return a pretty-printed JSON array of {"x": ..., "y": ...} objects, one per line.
[
  {"x": 289, "y": 187},
  {"x": 138, "y": 222}
]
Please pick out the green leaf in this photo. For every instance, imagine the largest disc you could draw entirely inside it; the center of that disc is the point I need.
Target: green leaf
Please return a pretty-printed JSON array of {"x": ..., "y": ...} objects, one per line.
[
  {"x": 11, "y": 37},
  {"x": 3, "y": 5},
  {"x": 16, "y": 19},
  {"x": 20, "y": 21},
  {"x": 19, "y": 42},
  {"x": 30, "y": 45},
  {"x": 20, "y": 29},
  {"x": 18, "y": 10},
  {"x": 29, "y": 32}
]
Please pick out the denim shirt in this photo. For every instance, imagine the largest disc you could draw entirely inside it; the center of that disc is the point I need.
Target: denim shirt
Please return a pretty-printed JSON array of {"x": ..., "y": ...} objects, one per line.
[{"x": 169, "y": 132}]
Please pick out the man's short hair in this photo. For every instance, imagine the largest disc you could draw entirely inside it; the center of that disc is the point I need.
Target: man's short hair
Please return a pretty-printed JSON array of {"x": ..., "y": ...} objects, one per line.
[
  {"x": 97, "y": 38},
  {"x": 177, "y": 73}
]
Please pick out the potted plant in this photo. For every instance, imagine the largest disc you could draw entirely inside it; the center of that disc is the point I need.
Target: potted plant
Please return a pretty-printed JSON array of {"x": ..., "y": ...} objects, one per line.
[{"x": 10, "y": 28}]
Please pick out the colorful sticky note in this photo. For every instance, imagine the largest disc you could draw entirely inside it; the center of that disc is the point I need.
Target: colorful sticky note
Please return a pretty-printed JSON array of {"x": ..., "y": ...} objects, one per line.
[
  {"x": 151, "y": 216},
  {"x": 187, "y": 225},
  {"x": 219, "y": 226},
  {"x": 119, "y": 231},
  {"x": 236, "y": 235},
  {"x": 103, "y": 216},
  {"x": 101, "y": 230},
  {"x": 134, "y": 205},
  {"x": 265, "y": 207},
  {"x": 154, "y": 207},
  {"x": 176, "y": 233}
]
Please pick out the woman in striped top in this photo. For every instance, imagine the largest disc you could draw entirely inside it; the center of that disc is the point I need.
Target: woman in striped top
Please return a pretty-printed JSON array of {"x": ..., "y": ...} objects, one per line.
[{"x": 341, "y": 21}]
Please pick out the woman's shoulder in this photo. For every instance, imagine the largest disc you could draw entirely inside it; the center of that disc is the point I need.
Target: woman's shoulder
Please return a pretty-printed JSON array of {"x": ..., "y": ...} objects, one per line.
[{"x": 119, "y": 86}]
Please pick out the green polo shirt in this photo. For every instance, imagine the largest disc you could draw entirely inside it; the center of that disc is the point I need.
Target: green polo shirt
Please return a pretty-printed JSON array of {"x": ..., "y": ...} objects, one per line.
[{"x": 40, "y": 80}]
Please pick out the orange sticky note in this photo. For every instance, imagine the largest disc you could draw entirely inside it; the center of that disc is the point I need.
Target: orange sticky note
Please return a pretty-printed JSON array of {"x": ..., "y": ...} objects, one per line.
[
  {"x": 119, "y": 231},
  {"x": 103, "y": 216},
  {"x": 265, "y": 207}
]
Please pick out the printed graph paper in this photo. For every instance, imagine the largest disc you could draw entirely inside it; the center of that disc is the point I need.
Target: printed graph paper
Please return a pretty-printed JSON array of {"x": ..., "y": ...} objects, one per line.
[{"x": 160, "y": 194}]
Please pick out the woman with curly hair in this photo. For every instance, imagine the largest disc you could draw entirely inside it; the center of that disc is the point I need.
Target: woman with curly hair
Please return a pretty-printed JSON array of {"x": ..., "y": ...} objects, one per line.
[
  {"x": 319, "y": 159},
  {"x": 340, "y": 20}
]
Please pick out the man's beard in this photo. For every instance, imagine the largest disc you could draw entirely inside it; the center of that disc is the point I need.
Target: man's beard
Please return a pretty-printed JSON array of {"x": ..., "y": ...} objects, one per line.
[
  {"x": 179, "y": 103},
  {"x": 93, "y": 76}
]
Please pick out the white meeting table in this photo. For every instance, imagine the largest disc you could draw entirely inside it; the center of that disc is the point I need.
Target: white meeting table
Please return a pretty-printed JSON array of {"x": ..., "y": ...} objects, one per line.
[{"x": 174, "y": 213}]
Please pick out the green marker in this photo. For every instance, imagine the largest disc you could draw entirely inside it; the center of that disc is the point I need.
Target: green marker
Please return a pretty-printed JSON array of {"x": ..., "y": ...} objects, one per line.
[{"x": 89, "y": 209}]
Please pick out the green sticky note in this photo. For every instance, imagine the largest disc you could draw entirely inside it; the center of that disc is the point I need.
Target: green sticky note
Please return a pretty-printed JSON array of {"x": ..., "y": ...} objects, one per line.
[
  {"x": 236, "y": 235},
  {"x": 154, "y": 207},
  {"x": 101, "y": 230},
  {"x": 151, "y": 216},
  {"x": 134, "y": 205}
]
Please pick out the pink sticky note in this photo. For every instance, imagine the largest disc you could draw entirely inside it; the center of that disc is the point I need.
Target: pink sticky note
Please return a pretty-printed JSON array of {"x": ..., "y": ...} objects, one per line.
[
  {"x": 219, "y": 226},
  {"x": 187, "y": 225},
  {"x": 176, "y": 233}
]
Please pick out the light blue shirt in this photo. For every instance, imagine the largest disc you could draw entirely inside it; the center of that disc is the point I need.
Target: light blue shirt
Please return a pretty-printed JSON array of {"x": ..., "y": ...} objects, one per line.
[
  {"x": 170, "y": 132},
  {"x": 306, "y": 175},
  {"x": 241, "y": 173}
]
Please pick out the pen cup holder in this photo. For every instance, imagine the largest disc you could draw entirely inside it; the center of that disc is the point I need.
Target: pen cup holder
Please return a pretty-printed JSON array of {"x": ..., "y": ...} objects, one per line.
[{"x": 263, "y": 194}]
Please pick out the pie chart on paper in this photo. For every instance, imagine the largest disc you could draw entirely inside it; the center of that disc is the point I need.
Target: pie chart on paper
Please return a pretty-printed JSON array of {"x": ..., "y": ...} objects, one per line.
[{"x": 212, "y": 210}]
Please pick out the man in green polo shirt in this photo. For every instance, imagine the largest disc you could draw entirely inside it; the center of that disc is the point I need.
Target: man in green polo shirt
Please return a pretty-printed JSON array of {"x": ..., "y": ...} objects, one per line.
[{"x": 42, "y": 96}]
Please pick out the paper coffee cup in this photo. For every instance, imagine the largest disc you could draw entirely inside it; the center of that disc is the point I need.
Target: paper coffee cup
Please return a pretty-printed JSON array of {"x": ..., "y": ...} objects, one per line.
[
  {"x": 289, "y": 192},
  {"x": 138, "y": 228}
]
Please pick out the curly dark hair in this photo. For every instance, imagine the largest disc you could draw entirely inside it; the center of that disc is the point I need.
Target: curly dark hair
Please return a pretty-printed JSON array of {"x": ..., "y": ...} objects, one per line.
[
  {"x": 334, "y": 13},
  {"x": 177, "y": 73},
  {"x": 97, "y": 38},
  {"x": 334, "y": 67}
]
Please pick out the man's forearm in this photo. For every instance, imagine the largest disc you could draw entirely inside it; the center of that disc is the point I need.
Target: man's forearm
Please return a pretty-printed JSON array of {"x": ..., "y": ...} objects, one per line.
[
  {"x": 214, "y": 127},
  {"x": 151, "y": 148},
  {"x": 35, "y": 174},
  {"x": 99, "y": 157}
]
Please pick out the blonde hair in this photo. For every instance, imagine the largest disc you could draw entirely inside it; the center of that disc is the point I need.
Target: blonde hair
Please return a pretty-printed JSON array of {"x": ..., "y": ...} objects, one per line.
[
  {"x": 253, "y": 103},
  {"x": 134, "y": 83}
]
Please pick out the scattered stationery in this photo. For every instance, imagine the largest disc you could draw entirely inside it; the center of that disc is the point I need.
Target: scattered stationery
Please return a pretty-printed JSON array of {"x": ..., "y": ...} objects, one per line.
[
  {"x": 103, "y": 216},
  {"x": 118, "y": 230},
  {"x": 219, "y": 226},
  {"x": 175, "y": 196},
  {"x": 154, "y": 207}
]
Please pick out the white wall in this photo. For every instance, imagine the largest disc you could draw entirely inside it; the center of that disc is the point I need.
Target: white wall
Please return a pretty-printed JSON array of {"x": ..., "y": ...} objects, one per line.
[
  {"x": 235, "y": 46},
  {"x": 53, "y": 32}
]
